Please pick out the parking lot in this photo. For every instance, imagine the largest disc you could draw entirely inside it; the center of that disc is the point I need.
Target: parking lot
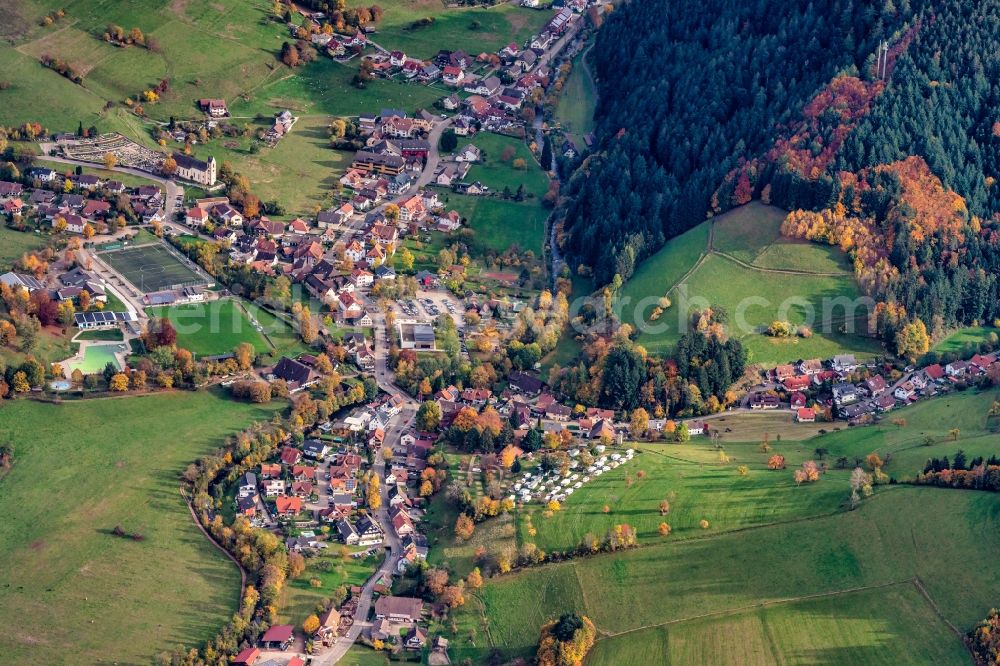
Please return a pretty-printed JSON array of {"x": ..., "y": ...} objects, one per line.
[{"x": 432, "y": 304}]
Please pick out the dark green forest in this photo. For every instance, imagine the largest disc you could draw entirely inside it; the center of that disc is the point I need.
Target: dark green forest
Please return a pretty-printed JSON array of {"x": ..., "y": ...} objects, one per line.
[
  {"x": 705, "y": 106},
  {"x": 687, "y": 90},
  {"x": 942, "y": 103}
]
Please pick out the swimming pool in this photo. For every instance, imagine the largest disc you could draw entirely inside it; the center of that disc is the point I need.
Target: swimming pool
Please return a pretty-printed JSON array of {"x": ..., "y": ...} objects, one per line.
[{"x": 96, "y": 357}]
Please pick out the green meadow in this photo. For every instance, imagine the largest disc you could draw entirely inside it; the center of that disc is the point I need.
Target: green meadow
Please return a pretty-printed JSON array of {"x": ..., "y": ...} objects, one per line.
[
  {"x": 781, "y": 574},
  {"x": 80, "y": 469}
]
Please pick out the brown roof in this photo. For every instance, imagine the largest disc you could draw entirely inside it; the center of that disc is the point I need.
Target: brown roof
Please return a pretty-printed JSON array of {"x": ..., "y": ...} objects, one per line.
[{"x": 399, "y": 606}]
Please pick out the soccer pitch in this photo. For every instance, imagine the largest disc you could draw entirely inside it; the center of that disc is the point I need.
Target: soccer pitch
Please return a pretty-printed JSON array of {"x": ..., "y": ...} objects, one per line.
[{"x": 152, "y": 268}]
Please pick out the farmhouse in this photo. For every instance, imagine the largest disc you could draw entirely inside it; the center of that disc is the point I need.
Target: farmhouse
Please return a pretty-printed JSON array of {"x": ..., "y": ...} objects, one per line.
[
  {"x": 805, "y": 415},
  {"x": 297, "y": 375},
  {"x": 216, "y": 108},
  {"x": 195, "y": 170},
  {"x": 398, "y": 609}
]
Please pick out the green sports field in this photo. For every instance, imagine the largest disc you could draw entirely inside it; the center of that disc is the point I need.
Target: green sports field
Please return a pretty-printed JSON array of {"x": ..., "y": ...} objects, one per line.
[
  {"x": 152, "y": 268},
  {"x": 81, "y": 468},
  {"x": 215, "y": 327}
]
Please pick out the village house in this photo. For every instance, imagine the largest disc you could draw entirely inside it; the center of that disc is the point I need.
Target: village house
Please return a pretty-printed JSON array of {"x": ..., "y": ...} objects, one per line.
[
  {"x": 453, "y": 76},
  {"x": 369, "y": 532},
  {"x": 844, "y": 393},
  {"x": 875, "y": 385},
  {"x": 398, "y": 609},
  {"x": 295, "y": 374},
  {"x": 216, "y": 108},
  {"x": 805, "y": 415}
]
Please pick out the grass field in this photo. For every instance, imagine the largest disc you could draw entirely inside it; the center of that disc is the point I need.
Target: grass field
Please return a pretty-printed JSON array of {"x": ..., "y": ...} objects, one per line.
[
  {"x": 299, "y": 171},
  {"x": 151, "y": 267},
  {"x": 300, "y": 598},
  {"x": 752, "y": 234},
  {"x": 325, "y": 87},
  {"x": 13, "y": 244},
  {"x": 499, "y": 224},
  {"x": 106, "y": 334},
  {"x": 454, "y": 28},
  {"x": 752, "y": 296},
  {"x": 577, "y": 102},
  {"x": 960, "y": 339},
  {"x": 81, "y": 468},
  {"x": 900, "y": 534},
  {"x": 700, "y": 486},
  {"x": 659, "y": 273},
  {"x": 771, "y": 548},
  {"x": 498, "y": 174},
  {"x": 888, "y": 625},
  {"x": 215, "y": 327}
]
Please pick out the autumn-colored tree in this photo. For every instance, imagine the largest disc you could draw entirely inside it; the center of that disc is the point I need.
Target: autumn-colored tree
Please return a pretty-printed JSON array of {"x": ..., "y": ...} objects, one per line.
[
  {"x": 489, "y": 421},
  {"x": 373, "y": 496},
  {"x": 566, "y": 641},
  {"x": 474, "y": 580},
  {"x": 777, "y": 461},
  {"x": 507, "y": 456},
  {"x": 873, "y": 461},
  {"x": 429, "y": 416},
  {"x": 639, "y": 423},
  {"x": 110, "y": 161},
  {"x": 912, "y": 341},
  {"x": 808, "y": 473},
  {"x": 20, "y": 382},
  {"x": 954, "y": 434},
  {"x": 464, "y": 527},
  {"x": 84, "y": 300},
  {"x": 664, "y": 507},
  {"x": 310, "y": 625},
  {"x": 466, "y": 419},
  {"x": 553, "y": 505},
  {"x": 663, "y": 529},
  {"x": 245, "y": 355},
  {"x": 452, "y": 596},
  {"x": 606, "y": 509},
  {"x": 296, "y": 564},
  {"x": 435, "y": 580},
  {"x": 703, "y": 524},
  {"x": 119, "y": 382}
]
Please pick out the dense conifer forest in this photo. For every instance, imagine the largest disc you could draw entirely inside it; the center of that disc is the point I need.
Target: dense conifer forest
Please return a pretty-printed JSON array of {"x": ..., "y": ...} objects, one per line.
[
  {"x": 686, "y": 91},
  {"x": 891, "y": 156}
]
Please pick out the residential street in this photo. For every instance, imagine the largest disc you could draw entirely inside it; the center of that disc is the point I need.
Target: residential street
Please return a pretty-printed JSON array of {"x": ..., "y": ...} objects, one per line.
[{"x": 397, "y": 426}]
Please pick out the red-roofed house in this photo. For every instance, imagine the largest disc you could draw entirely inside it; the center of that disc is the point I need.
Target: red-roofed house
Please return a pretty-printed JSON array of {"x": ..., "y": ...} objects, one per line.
[
  {"x": 290, "y": 456},
  {"x": 805, "y": 415},
  {"x": 797, "y": 383},
  {"x": 247, "y": 657},
  {"x": 287, "y": 506},
  {"x": 934, "y": 372}
]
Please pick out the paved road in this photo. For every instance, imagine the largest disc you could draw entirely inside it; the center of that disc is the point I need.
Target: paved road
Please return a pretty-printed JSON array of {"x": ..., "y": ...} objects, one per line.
[
  {"x": 397, "y": 426},
  {"x": 426, "y": 176}
]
